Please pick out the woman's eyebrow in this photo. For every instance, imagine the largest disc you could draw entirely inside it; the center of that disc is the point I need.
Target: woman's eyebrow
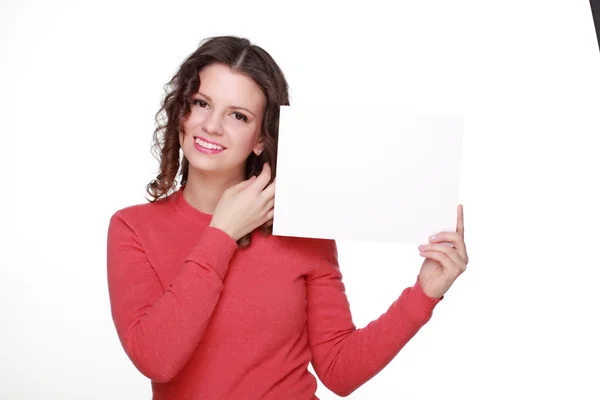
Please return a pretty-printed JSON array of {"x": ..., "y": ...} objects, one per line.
[{"x": 235, "y": 107}]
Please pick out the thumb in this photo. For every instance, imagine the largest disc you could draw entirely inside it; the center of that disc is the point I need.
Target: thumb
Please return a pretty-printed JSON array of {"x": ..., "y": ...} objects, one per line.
[{"x": 264, "y": 177}]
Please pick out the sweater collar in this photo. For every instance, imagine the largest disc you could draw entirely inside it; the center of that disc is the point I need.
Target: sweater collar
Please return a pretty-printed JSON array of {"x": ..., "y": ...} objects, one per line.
[{"x": 190, "y": 211}]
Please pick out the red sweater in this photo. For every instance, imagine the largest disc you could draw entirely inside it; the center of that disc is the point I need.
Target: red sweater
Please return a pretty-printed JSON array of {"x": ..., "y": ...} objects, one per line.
[{"x": 205, "y": 320}]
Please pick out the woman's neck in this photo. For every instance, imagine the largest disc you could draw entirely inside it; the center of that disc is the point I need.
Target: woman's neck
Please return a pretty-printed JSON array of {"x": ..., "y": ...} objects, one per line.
[{"x": 204, "y": 190}]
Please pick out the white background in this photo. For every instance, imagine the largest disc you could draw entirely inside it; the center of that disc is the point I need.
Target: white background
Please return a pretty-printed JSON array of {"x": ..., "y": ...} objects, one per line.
[{"x": 80, "y": 83}]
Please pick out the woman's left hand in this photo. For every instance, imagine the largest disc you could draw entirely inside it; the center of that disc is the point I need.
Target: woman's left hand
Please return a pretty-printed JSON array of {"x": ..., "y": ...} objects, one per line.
[{"x": 445, "y": 259}]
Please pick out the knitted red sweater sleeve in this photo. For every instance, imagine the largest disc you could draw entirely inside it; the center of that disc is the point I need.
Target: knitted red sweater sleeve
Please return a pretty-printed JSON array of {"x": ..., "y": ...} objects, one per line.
[
  {"x": 344, "y": 357},
  {"x": 160, "y": 327}
]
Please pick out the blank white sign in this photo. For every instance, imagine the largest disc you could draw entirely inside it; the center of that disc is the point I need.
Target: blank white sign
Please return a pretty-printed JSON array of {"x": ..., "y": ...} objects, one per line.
[{"x": 362, "y": 175}]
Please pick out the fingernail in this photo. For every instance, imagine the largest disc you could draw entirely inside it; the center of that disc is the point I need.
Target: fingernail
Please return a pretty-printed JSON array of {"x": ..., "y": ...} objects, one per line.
[{"x": 433, "y": 237}]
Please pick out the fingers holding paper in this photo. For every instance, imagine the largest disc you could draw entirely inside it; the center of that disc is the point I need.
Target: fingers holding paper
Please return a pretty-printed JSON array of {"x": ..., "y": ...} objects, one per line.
[{"x": 445, "y": 259}]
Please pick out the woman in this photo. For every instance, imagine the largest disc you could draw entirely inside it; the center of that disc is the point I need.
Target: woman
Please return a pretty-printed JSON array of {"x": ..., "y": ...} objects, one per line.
[{"x": 209, "y": 305}]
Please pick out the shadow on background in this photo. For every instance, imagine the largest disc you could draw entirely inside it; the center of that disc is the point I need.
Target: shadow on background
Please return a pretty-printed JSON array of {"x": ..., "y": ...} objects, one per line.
[{"x": 595, "y": 4}]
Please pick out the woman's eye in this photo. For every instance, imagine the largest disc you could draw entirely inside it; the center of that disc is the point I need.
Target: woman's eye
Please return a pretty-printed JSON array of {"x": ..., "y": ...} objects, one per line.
[
  {"x": 240, "y": 117},
  {"x": 200, "y": 103}
]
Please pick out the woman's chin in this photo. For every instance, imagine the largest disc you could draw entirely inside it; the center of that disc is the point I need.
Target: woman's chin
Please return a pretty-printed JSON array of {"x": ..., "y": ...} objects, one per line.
[{"x": 207, "y": 166}]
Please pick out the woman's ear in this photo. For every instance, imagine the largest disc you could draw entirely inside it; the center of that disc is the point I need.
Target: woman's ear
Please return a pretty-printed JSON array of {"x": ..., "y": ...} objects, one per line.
[{"x": 259, "y": 148}]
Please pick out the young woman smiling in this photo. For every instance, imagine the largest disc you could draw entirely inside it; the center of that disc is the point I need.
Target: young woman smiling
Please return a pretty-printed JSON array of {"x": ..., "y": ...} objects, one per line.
[{"x": 206, "y": 302}]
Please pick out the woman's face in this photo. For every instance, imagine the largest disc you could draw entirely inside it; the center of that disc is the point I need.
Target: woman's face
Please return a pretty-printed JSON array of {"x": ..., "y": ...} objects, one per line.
[{"x": 224, "y": 124}]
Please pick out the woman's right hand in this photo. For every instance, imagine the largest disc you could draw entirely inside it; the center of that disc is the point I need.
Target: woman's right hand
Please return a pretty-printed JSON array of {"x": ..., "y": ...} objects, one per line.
[{"x": 245, "y": 206}]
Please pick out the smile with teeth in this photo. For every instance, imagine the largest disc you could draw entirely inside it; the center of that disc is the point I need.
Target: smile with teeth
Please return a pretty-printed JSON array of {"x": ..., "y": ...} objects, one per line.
[{"x": 207, "y": 145}]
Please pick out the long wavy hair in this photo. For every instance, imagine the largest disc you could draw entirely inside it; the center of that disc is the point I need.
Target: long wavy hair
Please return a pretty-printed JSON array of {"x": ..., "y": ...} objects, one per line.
[{"x": 243, "y": 56}]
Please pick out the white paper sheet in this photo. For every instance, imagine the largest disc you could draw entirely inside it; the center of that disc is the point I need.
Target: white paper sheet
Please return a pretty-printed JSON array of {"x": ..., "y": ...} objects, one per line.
[{"x": 354, "y": 174}]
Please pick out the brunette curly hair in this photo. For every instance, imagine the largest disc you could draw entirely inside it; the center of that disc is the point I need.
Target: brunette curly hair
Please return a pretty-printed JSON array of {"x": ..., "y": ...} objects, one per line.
[{"x": 243, "y": 56}]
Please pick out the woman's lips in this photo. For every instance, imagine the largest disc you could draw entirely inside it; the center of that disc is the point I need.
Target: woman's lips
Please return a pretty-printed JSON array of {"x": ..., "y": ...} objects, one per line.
[
  {"x": 208, "y": 141},
  {"x": 207, "y": 147}
]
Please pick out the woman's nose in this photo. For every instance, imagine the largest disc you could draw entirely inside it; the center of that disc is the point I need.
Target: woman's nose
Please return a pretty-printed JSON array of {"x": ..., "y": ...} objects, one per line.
[{"x": 213, "y": 124}]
